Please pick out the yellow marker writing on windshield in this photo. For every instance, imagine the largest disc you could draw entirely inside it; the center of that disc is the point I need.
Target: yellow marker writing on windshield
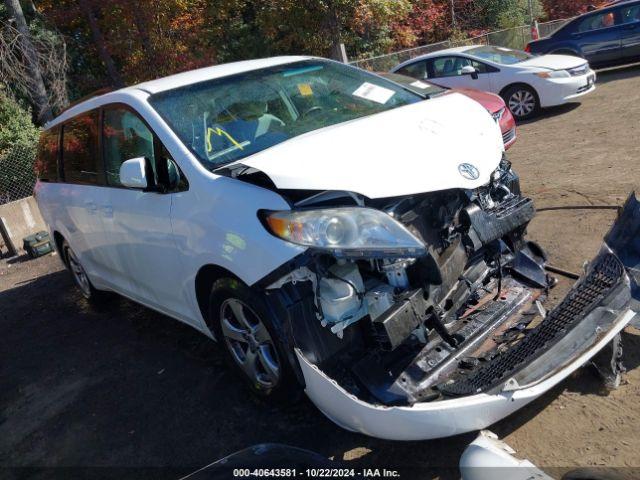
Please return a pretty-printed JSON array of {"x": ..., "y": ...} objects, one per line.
[{"x": 221, "y": 133}]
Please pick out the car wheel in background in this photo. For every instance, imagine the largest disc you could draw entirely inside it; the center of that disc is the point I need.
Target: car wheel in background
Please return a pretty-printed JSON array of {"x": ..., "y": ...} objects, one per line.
[
  {"x": 253, "y": 349},
  {"x": 522, "y": 100}
]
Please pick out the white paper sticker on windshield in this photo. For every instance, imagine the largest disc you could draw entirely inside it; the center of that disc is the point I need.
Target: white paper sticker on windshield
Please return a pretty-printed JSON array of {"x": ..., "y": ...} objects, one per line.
[
  {"x": 375, "y": 93},
  {"x": 419, "y": 84}
]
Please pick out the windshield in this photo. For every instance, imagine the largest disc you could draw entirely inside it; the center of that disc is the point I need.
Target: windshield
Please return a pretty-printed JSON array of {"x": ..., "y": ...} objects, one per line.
[
  {"x": 227, "y": 119},
  {"x": 505, "y": 56},
  {"x": 421, "y": 87}
]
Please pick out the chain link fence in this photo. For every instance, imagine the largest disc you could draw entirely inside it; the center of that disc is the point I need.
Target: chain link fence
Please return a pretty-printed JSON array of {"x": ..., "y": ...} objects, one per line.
[
  {"x": 17, "y": 175},
  {"x": 516, "y": 38}
]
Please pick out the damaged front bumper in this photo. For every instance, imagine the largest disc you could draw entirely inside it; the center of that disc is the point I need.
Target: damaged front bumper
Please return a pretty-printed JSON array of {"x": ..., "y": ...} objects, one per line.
[{"x": 602, "y": 303}]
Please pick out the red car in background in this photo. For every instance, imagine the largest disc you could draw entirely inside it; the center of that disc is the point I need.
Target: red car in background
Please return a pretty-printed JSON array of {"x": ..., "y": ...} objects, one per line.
[{"x": 493, "y": 103}]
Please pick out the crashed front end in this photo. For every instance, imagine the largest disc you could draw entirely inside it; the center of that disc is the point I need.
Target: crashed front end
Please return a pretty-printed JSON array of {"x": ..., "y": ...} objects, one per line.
[{"x": 448, "y": 334}]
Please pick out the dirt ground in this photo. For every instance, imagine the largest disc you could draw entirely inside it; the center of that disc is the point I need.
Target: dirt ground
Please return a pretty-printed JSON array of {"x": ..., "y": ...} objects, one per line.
[{"x": 128, "y": 388}]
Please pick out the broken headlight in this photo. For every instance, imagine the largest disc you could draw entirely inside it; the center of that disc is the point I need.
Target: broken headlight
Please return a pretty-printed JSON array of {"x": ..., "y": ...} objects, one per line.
[{"x": 353, "y": 232}]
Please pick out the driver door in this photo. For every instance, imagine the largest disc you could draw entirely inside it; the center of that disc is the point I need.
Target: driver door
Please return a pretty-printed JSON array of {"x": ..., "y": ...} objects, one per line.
[{"x": 143, "y": 259}]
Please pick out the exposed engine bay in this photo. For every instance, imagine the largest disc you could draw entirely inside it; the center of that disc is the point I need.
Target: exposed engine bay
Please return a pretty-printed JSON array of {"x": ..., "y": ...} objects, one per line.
[{"x": 464, "y": 317}]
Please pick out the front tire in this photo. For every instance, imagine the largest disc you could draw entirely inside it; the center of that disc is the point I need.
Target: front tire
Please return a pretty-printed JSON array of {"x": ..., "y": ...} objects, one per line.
[
  {"x": 253, "y": 348},
  {"x": 523, "y": 101}
]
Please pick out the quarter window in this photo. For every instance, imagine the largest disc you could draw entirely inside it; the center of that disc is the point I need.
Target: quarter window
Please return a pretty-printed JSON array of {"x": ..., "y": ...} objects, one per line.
[
  {"x": 46, "y": 165},
  {"x": 80, "y": 149},
  {"x": 125, "y": 136}
]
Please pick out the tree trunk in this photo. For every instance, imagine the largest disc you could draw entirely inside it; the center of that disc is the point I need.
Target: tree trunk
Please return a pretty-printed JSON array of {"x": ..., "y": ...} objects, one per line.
[
  {"x": 38, "y": 91},
  {"x": 333, "y": 22},
  {"x": 98, "y": 39}
]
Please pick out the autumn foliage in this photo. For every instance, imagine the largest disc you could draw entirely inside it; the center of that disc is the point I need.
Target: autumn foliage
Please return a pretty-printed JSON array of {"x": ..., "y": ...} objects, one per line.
[{"x": 117, "y": 42}]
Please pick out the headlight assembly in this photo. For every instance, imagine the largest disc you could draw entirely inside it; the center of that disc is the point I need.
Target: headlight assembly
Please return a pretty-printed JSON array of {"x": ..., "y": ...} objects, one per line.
[
  {"x": 349, "y": 232},
  {"x": 554, "y": 74}
]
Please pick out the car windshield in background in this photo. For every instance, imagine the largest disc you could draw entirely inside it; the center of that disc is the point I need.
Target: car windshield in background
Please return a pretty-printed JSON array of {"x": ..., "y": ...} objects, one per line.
[
  {"x": 505, "y": 56},
  {"x": 420, "y": 87},
  {"x": 227, "y": 119}
]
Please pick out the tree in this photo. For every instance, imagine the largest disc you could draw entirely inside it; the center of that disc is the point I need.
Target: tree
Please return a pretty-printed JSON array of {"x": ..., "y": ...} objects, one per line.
[
  {"x": 36, "y": 87},
  {"x": 98, "y": 39},
  {"x": 319, "y": 26},
  {"x": 18, "y": 141},
  {"x": 560, "y": 9},
  {"x": 496, "y": 14}
]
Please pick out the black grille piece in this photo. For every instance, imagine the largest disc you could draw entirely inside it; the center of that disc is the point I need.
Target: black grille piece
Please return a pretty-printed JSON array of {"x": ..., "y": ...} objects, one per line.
[
  {"x": 584, "y": 88},
  {"x": 509, "y": 135},
  {"x": 495, "y": 223},
  {"x": 583, "y": 298}
]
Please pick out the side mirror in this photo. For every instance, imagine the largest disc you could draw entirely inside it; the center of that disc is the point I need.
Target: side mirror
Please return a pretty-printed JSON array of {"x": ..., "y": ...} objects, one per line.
[
  {"x": 133, "y": 173},
  {"x": 470, "y": 70}
]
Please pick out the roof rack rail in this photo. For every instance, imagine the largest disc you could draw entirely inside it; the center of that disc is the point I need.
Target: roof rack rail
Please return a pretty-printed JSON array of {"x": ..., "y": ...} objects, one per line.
[{"x": 89, "y": 96}]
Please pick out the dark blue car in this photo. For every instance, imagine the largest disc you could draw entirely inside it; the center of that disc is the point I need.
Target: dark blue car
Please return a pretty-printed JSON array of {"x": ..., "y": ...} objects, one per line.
[{"x": 604, "y": 37}]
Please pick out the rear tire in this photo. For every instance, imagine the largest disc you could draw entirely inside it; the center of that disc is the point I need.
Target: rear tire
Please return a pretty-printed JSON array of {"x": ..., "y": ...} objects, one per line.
[
  {"x": 80, "y": 277},
  {"x": 522, "y": 100},
  {"x": 253, "y": 348}
]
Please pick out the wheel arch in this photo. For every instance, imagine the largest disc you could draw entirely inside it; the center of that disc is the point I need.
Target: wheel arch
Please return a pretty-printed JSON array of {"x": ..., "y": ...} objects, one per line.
[
  {"x": 59, "y": 240},
  {"x": 566, "y": 51},
  {"x": 205, "y": 278},
  {"x": 519, "y": 84}
]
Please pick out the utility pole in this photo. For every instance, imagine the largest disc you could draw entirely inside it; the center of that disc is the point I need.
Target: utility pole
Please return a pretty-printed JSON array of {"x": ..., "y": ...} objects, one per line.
[
  {"x": 535, "y": 33},
  {"x": 453, "y": 14}
]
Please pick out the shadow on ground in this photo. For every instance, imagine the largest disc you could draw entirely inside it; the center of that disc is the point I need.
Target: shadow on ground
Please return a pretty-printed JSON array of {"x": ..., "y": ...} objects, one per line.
[
  {"x": 618, "y": 73},
  {"x": 124, "y": 386}
]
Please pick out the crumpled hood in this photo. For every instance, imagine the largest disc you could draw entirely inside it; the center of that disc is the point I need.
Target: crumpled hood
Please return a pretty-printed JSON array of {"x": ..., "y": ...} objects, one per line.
[
  {"x": 413, "y": 149},
  {"x": 554, "y": 62}
]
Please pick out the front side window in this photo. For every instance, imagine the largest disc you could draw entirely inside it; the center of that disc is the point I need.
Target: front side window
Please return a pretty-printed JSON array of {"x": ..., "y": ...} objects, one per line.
[
  {"x": 596, "y": 22},
  {"x": 125, "y": 136},
  {"x": 630, "y": 14},
  {"x": 224, "y": 120},
  {"x": 46, "y": 165},
  {"x": 449, "y": 66},
  {"x": 80, "y": 149},
  {"x": 501, "y": 55}
]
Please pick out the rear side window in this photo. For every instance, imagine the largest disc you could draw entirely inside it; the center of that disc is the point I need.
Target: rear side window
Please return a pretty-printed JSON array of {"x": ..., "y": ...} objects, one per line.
[
  {"x": 125, "y": 136},
  {"x": 80, "y": 153},
  {"x": 46, "y": 165}
]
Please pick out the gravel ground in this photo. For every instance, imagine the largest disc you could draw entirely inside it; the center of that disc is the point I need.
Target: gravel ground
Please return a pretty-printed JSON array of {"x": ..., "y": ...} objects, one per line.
[{"x": 126, "y": 387}]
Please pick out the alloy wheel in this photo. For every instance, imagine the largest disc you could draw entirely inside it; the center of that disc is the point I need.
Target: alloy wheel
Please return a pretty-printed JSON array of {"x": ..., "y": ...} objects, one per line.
[
  {"x": 79, "y": 275},
  {"x": 522, "y": 103},
  {"x": 249, "y": 342}
]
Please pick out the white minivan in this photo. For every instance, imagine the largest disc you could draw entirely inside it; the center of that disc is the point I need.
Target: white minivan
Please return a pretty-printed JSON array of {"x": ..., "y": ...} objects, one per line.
[{"x": 335, "y": 233}]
